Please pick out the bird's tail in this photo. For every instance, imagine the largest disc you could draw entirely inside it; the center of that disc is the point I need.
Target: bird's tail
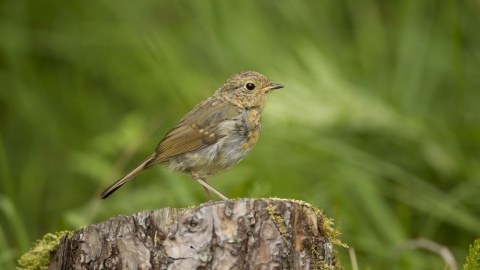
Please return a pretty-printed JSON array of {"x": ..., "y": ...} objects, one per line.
[{"x": 127, "y": 177}]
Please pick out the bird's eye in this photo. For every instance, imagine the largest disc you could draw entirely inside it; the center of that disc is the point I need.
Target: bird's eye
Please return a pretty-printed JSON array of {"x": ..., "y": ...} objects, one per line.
[{"x": 250, "y": 86}]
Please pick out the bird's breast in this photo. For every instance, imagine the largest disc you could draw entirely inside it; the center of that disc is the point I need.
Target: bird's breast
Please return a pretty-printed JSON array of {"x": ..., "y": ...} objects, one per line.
[
  {"x": 240, "y": 136},
  {"x": 252, "y": 123}
]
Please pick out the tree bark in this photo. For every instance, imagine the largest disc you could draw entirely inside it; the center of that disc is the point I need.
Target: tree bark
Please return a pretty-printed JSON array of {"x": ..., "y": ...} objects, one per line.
[{"x": 234, "y": 234}]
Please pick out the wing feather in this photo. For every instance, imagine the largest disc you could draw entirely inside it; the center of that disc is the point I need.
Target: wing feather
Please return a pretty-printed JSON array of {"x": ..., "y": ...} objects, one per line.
[{"x": 197, "y": 129}]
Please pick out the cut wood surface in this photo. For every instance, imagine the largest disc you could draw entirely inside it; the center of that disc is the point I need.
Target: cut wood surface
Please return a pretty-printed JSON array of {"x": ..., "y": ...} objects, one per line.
[{"x": 234, "y": 234}]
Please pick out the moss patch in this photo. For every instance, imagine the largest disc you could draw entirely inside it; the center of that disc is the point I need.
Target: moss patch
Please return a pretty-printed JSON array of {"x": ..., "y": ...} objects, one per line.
[
  {"x": 473, "y": 257},
  {"x": 38, "y": 257}
]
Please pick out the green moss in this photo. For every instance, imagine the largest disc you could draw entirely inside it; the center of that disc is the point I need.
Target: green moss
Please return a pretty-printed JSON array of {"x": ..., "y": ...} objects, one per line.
[
  {"x": 278, "y": 220},
  {"x": 38, "y": 257},
  {"x": 473, "y": 257}
]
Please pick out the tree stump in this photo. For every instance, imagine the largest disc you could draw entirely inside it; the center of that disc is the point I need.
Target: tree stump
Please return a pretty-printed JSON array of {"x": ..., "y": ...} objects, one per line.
[{"x": 234, "y": 234}]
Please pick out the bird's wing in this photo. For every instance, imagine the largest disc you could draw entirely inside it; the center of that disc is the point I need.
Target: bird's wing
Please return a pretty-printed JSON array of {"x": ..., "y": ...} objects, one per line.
[{"x": 197, "y": 129}]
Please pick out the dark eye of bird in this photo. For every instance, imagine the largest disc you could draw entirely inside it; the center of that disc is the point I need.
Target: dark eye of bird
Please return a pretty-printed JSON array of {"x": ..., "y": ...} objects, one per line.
[{"x": 250, "y": 86}]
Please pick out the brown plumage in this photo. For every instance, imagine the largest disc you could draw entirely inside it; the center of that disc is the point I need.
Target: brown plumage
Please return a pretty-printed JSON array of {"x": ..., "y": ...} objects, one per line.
[{"x": 215, "y": 135}]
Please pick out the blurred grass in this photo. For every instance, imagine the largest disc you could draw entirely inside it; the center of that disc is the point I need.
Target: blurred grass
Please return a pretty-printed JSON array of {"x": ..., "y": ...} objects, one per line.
[{"x": 379, "y": 122}]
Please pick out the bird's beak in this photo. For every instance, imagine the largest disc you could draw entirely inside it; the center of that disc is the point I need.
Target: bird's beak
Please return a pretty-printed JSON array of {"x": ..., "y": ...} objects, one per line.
[{"x": 274, "y": 86}]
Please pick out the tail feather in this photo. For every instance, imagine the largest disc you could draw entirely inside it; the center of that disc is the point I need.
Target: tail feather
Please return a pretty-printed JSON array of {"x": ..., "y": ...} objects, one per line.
[{"x": 127, "y": 177}]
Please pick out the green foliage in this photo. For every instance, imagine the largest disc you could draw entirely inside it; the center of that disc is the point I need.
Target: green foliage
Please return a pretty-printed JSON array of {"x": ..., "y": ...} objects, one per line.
[
  {"x": 473, "y": 258},
  {"x": 38, "y": 257},
  {"x": 378, "y": 123}
]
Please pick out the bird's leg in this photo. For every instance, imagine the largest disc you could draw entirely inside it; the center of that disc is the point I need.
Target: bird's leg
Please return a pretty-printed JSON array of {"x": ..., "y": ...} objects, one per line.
[
  {"x": 207, "y": 187},
  {"x": 207, "y": 194}
]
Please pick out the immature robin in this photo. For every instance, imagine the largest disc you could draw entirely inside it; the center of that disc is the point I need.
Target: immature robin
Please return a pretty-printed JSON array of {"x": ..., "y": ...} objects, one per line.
[{"x": 215, "y": 135}]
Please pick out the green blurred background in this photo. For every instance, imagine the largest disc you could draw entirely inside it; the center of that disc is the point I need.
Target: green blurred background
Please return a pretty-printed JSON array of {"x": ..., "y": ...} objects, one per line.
[{"x": 378, "y": 123}]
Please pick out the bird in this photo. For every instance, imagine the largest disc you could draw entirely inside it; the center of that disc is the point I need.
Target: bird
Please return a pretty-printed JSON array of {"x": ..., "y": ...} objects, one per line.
[{"x": 215, "y": 135}]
